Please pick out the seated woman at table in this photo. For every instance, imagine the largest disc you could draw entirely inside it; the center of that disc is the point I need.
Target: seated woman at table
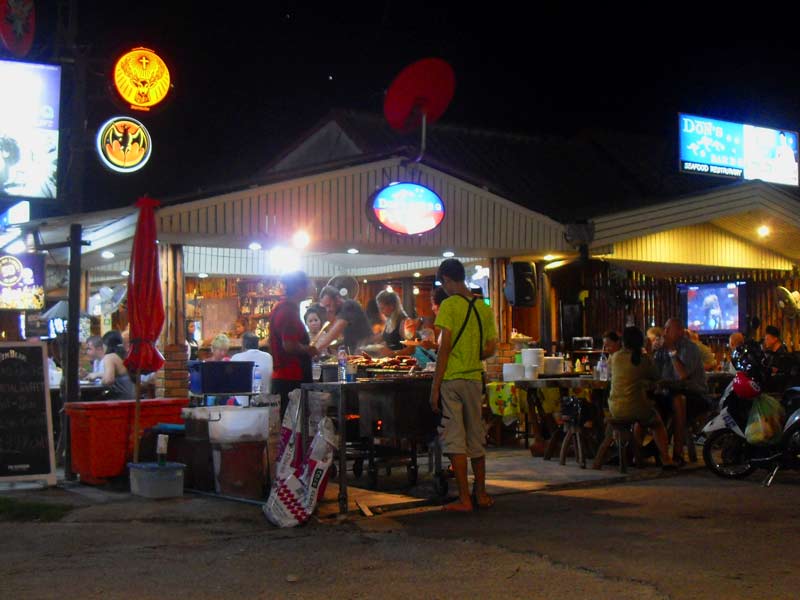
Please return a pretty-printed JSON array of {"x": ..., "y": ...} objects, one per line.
[
  {"x": 219, "y": 348},
  {"x": 115, "y": 373},
  {"x": 634, "y": 373}
]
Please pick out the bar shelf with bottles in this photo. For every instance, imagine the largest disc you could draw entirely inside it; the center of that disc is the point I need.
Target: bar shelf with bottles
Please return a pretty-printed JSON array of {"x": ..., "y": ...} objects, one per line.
[{"x": 257, "y": 298}]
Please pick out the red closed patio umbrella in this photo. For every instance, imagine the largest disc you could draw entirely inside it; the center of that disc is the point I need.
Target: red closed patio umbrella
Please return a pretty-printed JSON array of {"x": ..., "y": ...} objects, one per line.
[{"x": 145, "y": 304}]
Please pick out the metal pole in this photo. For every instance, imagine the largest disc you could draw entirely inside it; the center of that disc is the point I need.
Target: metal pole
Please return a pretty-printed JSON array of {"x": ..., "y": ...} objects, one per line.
[{"x": 73, "y": 341}]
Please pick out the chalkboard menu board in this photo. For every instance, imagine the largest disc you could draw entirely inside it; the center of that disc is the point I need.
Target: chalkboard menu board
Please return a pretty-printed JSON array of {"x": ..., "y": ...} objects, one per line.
[{"x": 26, "y": 428}]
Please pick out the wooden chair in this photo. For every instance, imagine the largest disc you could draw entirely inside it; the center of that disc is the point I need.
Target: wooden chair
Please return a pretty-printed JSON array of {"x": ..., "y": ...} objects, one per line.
[{"x": 619, "y": 432}]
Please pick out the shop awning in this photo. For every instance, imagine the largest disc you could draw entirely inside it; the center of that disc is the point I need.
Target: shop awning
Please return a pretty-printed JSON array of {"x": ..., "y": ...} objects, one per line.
[
  {"x": 331, "y": 207},
  {"x": 718, "y": 228}
]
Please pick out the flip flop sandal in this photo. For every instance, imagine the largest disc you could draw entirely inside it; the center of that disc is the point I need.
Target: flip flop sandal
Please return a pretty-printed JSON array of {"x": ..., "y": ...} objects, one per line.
[
  {"x": 485, "y": 505},
  {"x": 456, "y": 507}
]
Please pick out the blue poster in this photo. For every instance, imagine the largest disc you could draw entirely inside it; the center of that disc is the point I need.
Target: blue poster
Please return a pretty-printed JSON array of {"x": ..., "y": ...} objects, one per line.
[{"x": 723, "y": 148}]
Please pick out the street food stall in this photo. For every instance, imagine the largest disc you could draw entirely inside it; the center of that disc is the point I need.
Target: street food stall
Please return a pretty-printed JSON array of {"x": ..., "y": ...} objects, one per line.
[
  {"x": 386, "y": 412},
  {"x": 314, "y": 208}
]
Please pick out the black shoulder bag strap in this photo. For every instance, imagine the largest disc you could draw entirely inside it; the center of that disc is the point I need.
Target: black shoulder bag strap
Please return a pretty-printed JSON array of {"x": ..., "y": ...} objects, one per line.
[{"x": 464, "y": 325}]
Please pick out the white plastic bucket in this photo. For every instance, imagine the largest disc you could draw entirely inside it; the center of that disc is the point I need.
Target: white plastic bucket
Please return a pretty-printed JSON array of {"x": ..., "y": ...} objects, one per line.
[
  {"x": 230, "y": 424},
  {"x": 513, "y": 371},
  {"x": 532, "y": 356}
]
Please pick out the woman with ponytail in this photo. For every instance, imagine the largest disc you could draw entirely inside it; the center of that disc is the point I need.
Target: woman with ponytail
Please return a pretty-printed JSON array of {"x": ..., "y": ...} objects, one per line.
[{"x": 633, "y": 374}]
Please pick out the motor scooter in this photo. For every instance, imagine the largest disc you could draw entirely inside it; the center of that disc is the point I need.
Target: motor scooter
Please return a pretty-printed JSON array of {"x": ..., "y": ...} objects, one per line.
[{"x": 726, "y": 451}]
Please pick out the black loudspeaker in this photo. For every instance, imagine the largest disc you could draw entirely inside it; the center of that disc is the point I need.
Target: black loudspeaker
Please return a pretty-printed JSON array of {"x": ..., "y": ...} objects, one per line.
[{"x": 520, "y": 288}]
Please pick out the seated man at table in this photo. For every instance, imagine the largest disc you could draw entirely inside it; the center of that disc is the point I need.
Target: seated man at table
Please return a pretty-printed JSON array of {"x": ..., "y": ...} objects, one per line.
[
  {"x": 94, "y": 352},
  {"x": 682, "y": 386},
  {"x": 706, "y": 354},
  {"x": 774, "y": 348},
  {"x": 262, "y": 360}
]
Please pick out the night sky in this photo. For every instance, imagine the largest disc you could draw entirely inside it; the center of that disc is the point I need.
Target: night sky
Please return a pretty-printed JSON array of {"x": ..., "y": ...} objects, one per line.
[{"x": 248, "y": 82}]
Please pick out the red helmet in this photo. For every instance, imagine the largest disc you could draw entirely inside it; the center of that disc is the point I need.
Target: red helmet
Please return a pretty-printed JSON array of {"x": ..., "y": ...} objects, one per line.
[{"x": 745, "y": 387}]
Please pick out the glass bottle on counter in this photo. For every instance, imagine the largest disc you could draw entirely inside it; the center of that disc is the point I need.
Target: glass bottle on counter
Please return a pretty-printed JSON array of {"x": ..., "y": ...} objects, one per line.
[
  {"x": 342, "y": 356},
  {"x": 256, "y": 380},
  {"x": 601, "y": 371}
]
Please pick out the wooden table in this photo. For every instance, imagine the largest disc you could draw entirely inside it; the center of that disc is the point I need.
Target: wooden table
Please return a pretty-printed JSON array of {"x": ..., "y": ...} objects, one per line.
[{"x": 563, "y": 382}]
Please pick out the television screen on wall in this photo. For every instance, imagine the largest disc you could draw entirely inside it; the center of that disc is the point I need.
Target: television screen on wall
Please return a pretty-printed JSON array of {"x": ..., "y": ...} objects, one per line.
[
  {"x": 716, "y": 308},
  {"x": 29, "y": 121},
  {"x": 736, "y": 150}
]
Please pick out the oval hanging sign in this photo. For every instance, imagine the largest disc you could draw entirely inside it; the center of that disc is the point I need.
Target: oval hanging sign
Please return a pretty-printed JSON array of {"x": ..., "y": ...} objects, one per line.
[
  {"x": 141, "y": 78},
  {"x": 123, "y": 144},
  {"x": 407, "y": 208}
]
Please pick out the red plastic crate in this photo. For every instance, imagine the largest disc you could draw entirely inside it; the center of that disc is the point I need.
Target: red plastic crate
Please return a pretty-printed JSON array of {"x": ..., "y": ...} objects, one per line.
[{"x": 101, "y": 433}]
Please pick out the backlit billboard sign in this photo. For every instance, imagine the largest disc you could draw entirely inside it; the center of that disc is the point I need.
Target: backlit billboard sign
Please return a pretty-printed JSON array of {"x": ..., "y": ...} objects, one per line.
[
  {"x": 29, "y": 111},
  {"x": 406, "y": 208},
  {"x": 741, "y": 151}
]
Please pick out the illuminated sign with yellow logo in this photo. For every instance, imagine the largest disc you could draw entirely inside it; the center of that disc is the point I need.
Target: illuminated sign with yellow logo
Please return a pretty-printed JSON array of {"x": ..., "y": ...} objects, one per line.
[
  {"x": 141, "y": 78},
  {"x": 22, "y": 282},
  {"x": 123, "y": 144}
]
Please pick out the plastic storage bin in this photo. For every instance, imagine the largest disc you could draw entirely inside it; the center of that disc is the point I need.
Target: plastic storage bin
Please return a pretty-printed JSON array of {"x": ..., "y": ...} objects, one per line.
[
  {"x": 239, "y": 447},
  {"x": 230, "y": 424},
  {"x": 152, "y": 480},
  {"x": 102, "y": 433},
  {"x": 220, "y": 377}
]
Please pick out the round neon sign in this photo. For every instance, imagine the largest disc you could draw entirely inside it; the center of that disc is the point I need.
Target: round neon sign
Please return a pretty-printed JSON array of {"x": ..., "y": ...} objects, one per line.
[
  {"x": 123, "y": 144},
  {"x": 141, "y": 78},
  {"x": 407, "y": 208}
]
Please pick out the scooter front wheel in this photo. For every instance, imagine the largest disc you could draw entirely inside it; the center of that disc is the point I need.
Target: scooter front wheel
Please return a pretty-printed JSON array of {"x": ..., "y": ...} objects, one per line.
[{"x": 725, "y": 454}]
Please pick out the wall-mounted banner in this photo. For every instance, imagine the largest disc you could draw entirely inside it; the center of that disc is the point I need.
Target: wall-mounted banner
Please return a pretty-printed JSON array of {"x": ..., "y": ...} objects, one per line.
[
  {"x": 714, "y": 147},
  {"x": 141, "y": 78},
  {"x": 406, "y": 208},
  {"x": 22, "y": 282},
  {"x": 123, "y": 144}
]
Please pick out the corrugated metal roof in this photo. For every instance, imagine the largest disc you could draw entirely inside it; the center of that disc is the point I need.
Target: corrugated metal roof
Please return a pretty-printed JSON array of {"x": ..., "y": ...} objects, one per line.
[{"x": 567, "y": 179}]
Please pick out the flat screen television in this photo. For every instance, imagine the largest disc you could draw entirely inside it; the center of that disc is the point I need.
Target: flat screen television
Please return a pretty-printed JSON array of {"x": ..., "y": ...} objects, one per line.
[{"x": 716, "y": 308}]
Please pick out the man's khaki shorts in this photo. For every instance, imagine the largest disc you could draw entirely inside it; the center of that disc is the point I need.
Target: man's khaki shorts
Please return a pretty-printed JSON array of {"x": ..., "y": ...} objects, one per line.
[{"x": 462, "y": 431}]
